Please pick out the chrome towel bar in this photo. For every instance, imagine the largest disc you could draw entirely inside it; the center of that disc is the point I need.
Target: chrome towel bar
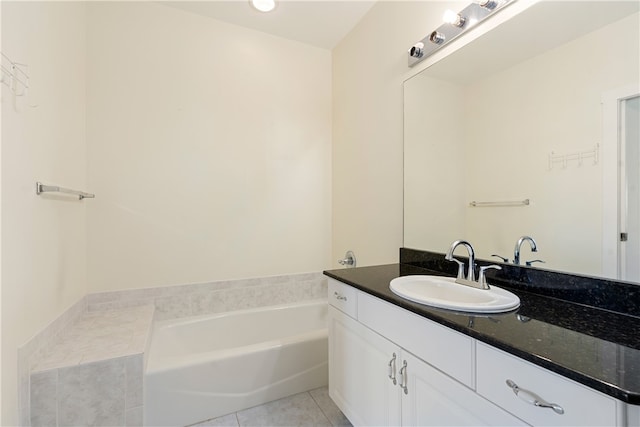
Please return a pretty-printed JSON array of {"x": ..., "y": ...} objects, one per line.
[
  {"x": 42, "y": 188},
  {"x": 475, "y": 204}
]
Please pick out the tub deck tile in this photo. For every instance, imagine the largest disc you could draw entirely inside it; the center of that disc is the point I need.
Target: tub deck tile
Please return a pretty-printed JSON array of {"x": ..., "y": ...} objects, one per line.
[{"x": 98, "y": 336}]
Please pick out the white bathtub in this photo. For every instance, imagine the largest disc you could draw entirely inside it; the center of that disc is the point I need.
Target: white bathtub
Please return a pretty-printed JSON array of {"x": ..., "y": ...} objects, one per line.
[{"x": 203, "y": 367}]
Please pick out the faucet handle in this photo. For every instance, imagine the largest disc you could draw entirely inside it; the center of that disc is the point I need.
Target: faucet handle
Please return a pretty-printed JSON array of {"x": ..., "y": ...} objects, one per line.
[
  {"x": 349, "y": 260},
  {"x": 505, "y": 260},
  {"x": 482, "y": 278},
  {"x": 460, "y": 268},
  {"x": 529, "y": 263}
]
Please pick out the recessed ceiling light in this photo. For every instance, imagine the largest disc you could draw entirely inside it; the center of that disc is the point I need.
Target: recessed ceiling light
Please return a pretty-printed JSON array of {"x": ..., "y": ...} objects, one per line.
[{"x": 263, "y": 5}]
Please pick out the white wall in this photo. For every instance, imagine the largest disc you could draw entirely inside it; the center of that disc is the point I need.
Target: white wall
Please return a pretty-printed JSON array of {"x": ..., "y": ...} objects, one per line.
[
  {"x": 1, "y": 405},
  {"x": 369, "y": 67},
  {"x": 209, "y": 149},
  {"x": 43, "y": 238}
]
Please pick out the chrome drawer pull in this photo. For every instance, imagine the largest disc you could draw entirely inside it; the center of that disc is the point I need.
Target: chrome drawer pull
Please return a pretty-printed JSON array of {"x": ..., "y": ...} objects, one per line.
[
  {"x": 339, "y": 296},
  {"x": 403, "y": 378},
  {"x": 534, "y": 399},
  {"x": 392, "y": 369}
]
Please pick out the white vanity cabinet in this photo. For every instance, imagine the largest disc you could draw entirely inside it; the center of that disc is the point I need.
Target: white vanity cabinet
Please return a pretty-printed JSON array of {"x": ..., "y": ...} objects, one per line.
[
  {"x": 443, "y": 377},
  {"x": 375, "y": 381}
]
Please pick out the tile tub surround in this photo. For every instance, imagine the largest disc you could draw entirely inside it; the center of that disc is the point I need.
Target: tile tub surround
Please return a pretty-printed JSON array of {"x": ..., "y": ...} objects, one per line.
[
  {"x": 104, "y": 327},
  {"x": 93, "y": 373},
  {"x": 102, "y": 393},
  {"x": 28, "y": 352},
  {"x": 215, "y": 297},
  {"x": 96, "y": 336},
  {"x": 569, "y": 338}
]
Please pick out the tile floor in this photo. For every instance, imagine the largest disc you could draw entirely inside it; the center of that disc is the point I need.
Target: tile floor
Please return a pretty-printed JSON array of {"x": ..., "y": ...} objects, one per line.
[{"x": 312, "y": 408}]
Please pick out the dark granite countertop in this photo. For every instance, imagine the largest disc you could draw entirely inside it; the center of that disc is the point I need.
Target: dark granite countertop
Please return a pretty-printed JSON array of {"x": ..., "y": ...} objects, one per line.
[{"x": 595, "y": 347}]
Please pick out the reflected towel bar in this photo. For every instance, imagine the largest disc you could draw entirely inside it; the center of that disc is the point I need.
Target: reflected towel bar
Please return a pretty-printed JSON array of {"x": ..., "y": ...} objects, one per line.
[
  {"x": 475, "y": 204},
  {"x": 41, "y": 188}
]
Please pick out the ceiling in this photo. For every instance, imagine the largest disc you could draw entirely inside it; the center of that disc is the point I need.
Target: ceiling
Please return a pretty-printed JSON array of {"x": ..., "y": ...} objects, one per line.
[{"x": 321, "y": 23}]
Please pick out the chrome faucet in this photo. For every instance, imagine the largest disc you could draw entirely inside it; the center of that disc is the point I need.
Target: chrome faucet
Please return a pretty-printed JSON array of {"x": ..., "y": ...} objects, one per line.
[
  {"x": 472, "y": 259},
  {"x": 470, "y": 280},
  {"x": 516, "y": 250}
]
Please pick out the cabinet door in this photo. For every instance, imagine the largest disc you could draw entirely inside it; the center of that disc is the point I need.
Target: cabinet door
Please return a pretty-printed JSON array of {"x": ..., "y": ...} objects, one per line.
[
  {"x": 444, "y": 348},
  {"x": 434, "y": 399},
  {"x": 359, "y": 372}
]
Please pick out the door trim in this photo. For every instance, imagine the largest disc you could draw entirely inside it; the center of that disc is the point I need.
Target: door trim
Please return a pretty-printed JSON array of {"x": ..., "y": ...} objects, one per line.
[{"x": 610, "y": 178}]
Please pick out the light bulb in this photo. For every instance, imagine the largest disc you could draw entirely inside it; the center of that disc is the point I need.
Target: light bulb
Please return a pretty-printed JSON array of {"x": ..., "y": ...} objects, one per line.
[
  {"x": 417, "y": 50},
  {"x": 436, "y": 37},
  {"x": 488, "y": 4},
  {"x": 263, "y": 5},
  {"x": 455, "y": 19}
]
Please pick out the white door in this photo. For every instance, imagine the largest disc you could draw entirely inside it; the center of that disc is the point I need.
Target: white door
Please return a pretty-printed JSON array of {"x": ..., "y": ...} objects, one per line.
[
  {"x": 359, "y": 370},
  {"x": 629, "y": 254},
  {"x": 435, "y": 399}
]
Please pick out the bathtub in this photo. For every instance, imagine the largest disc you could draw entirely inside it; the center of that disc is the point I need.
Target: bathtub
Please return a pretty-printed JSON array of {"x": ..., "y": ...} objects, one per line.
[{"x": 207, "y": 366}]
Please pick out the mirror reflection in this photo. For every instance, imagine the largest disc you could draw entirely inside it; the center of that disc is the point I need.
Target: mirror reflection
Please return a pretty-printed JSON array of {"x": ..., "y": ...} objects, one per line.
[{"x": 520, "y": 114}]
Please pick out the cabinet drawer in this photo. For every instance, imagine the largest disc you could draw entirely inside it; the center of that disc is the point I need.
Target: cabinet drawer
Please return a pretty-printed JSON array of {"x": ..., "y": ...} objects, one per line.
[
  {"x": 582, "y": 406},
  {"x": 343, "y": 297},
  {"x": 441, "y": 347}
]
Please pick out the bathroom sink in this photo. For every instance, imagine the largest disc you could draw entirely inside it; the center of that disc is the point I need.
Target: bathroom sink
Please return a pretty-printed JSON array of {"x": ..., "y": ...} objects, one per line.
[{"x": 443, "y": 292}]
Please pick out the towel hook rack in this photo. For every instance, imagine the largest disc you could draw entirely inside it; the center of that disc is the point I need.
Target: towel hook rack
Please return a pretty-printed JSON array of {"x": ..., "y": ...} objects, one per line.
[{"x": 14, "y": 75}]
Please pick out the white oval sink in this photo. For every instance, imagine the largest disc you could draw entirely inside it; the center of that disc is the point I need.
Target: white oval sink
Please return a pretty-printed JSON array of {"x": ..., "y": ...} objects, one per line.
[{"x": 443, "y": 292}]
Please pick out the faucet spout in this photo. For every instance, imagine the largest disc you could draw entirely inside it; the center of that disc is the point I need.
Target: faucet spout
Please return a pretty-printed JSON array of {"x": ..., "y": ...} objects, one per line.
[
  {"x": 472, "y": 257},
  {"x": 516, "y": 250}
]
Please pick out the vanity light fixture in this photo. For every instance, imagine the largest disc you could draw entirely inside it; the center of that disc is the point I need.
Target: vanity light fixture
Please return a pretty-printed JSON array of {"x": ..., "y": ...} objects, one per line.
[
  {"x": 455, "y": 25},
  {"x": 263, "y": 5}
]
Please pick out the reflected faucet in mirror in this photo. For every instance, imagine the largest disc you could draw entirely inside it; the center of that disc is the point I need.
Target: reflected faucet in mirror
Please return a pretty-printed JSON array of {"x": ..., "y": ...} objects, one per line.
[{"x": 518, "y": 247}]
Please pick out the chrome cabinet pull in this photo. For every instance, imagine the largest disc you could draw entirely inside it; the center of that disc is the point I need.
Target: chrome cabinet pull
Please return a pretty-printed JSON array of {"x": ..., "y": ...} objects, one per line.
[
  {"x": 403, "y": 377},
  {"x": 534, "y": 399},
  {"x": 339, "y": 296},
  {"x": 392, "y": 369}
]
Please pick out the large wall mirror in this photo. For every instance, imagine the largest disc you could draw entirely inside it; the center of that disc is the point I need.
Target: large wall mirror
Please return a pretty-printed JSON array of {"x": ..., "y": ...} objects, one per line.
[{"x": 519, "y": 115}]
